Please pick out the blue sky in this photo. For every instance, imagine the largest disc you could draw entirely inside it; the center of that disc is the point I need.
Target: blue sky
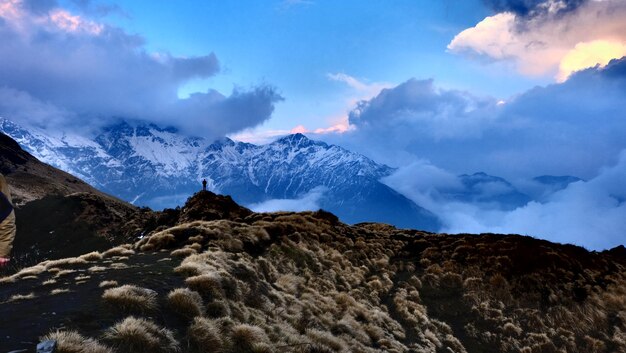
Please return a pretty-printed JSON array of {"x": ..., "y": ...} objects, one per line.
[{"x": 294, "y": 45}]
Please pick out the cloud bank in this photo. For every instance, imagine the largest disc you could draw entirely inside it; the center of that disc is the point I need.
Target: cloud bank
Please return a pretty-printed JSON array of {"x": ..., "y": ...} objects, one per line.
[
  {"x": 307, "y": 202},
  {"x": 550, "y": 37},
  {"x": 591, "y": 213},
  {"x": 572, "y": 128},
  {"x": 59, "y": 68}
]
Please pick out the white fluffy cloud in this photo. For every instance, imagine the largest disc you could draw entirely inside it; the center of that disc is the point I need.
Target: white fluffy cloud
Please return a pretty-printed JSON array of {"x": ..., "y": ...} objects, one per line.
[
  {"x": 549, "y": 37},
  {"x": 308, "y": 202},
  {"x": 65, "y": 69}
]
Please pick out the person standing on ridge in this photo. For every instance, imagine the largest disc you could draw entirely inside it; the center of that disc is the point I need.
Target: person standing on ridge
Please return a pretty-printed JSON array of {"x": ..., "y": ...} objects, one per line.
[
  {"x": 7, "y": 222},
  {"x": 204, "y": 185}
]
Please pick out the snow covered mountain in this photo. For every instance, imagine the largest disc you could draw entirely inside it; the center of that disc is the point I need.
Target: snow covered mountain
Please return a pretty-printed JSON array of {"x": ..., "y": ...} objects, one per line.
[{"x": 151, "y": 166}]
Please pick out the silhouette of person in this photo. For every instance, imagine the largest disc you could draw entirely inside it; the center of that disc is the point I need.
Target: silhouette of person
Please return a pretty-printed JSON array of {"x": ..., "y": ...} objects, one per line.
[{"x": 204, "y": 185}]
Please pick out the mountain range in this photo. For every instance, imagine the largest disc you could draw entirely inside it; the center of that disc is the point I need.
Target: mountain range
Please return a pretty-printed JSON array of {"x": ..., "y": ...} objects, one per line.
[
  {"x": 147, "y": 165},
  {"x": 158, "y": 167}
]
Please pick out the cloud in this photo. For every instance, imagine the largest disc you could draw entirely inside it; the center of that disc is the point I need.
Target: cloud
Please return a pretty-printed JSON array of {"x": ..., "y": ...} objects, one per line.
[
  {"x": 571, "y": 128},
  {"x": 576, "y": 127},
  {"x": 534, "y": 7},
  {"x": 308, "y": 202},
  {"x": 590, "y": 214},
  {"x": 87, "y": 73},
  {"x": 438, "y": 113},
  {"x": 553, "y": 37}
]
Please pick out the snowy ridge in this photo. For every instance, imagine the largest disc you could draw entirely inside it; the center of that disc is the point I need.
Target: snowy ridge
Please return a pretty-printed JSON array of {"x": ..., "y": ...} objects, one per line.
[{"x": 151, "y": 166}]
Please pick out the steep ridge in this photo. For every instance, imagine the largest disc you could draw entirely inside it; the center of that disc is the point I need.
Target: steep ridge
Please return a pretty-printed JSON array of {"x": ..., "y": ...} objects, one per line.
[
  {"x": 305, "y": 282},
  {"x": 31, "y": 179},
  {"x": 59, "y": 215}
]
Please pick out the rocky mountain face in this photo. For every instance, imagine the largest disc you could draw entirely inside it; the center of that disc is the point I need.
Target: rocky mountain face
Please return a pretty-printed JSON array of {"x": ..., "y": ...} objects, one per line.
[
  {"x": 148, "y": 165},
  {"x": 223, "y": 277},
  {"x": 31, "y": 179}
]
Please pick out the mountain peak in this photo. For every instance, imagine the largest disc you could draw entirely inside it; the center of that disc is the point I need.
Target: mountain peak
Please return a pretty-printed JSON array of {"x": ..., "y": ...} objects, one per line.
[{"x": 298, "y": 139}]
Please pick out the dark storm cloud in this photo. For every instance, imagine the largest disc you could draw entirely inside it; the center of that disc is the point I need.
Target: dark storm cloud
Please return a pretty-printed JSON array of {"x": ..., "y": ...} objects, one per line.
[
  {"x": 85, "y": 73},
  {"x": 534, "y": 7}
]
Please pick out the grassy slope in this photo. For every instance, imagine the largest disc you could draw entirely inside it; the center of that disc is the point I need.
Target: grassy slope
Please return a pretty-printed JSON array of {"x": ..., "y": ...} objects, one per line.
[{"x": 305, "y": 283}]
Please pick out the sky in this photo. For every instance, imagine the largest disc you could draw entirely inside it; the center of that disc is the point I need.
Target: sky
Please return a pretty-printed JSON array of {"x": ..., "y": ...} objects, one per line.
[{"x": 436, "y": 88}]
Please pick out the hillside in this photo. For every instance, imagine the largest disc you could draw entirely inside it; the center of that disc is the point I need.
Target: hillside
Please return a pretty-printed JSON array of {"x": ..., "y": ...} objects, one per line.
[
  {"x": 236, "y": 281},
  {"x": 31, "y": 179},
  {"x": 59, "y": 215}
]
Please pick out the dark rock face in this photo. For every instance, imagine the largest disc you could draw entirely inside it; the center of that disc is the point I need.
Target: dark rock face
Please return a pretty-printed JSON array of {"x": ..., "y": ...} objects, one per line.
[{"x": 207, "y": 206}]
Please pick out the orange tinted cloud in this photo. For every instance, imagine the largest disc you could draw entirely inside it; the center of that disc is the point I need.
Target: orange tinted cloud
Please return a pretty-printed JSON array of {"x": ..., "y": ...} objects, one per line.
[
  {"x": 554, "y": 45},
  {"x": 589, "y": 54}
]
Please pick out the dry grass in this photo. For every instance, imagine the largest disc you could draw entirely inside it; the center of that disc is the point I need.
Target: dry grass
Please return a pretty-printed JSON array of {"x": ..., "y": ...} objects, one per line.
[
  {"x": 59, "y": 291},
  {"x": 123, "y": 250},
  {"x": 19, "y": 297},
  {"x": 140, "y": 335},
  {"x": 184, "y": 252},
  {"x": 96, "y": 269},
  {"x": 247, "y": 338},
  {"x": 203, "y": 334},
  {"x": 82, "y": 278},
  {"x": 186, "y": 302},
  {"x": 73, "y": 342},
  {"x": 108, "y": 284},
  {"x": 287, "y": 282},
  {"x": 92, "y": 256},
  {"x": 131, "y": 298}
]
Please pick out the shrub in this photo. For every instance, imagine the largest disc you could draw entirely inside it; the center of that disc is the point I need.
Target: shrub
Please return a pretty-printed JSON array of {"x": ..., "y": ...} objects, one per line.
[
  {"x": 129, "y": 297},
  {"x": 186, "y": 302},
  {"x": 140, "y": 335}
]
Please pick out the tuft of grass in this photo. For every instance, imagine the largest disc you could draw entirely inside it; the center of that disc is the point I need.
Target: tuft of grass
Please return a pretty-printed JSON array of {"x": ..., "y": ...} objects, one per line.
[
  {"x": 140, "y": 335},
  {"x": 73, "y": 342},
  {"x": 186, "y": 302},
  {"x": 18, "y": 297},
  {"x": 203, "y": 334},
  {"x": 64, "y": 273},
  {"x": 92, "y": 256},
  {"x": 131, "y": 298},
  {"x": 96, "y": 269},
  {"x": 82, "y": 277},
  {"x": 59, "y": 291},
  {"x": 119, "y": 251},
  {"x": 108, "y": 284},
  {"x": 245, "y": 338},
  {"x": 184, "y": 252},
  {"x": 209, "y": 284}
]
